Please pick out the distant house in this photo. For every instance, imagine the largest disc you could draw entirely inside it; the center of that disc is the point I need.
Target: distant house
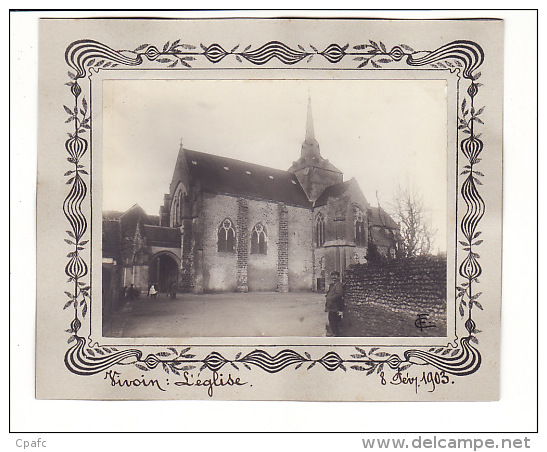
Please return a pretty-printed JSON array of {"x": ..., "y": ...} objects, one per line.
[{"x": 229, "y": 225}]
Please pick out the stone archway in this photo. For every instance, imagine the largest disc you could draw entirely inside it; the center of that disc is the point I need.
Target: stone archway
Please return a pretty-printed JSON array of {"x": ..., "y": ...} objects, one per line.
[{"x": 163, "y": 269}]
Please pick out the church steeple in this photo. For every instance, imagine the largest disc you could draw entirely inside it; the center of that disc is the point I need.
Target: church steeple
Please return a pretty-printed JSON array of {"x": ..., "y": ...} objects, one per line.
[
  {"x": 310, "y": 147},
  {"x": 313, "y": 171}
]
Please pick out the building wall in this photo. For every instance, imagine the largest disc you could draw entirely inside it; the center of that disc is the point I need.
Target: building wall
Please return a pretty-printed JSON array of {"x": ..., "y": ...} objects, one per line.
[
  {"x": 340, "y": 250},
  {"x": 227, "y": 271},
  {"x": 136, "y": 275},
  {"x": 409, "y": 286},
  {"x": 262, "y": 268},
  {"x": 219, "y": 269},
  {"x": 300, "y": 248}
]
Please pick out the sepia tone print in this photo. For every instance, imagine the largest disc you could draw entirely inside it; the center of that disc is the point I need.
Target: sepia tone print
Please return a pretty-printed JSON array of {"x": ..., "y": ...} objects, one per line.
[
  {"x": 277, "y": 237},
  {"x": 361, "y": 261}
]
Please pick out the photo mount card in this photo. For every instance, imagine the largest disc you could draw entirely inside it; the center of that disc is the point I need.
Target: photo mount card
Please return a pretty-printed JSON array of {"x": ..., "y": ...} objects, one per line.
[{"x": 269, "y": 209}]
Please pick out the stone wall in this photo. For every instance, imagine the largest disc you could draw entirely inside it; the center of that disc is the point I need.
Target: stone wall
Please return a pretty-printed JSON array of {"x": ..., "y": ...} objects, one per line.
[
  {"x": 288, "y": 263},
  {"x": 283, "y": 249},
  {"x": 408, "y": 286},
  {"x": 262, "y": 268},
  {"x": 219, "y": 269},
  {"x": 242, "y": 247},
  {"x": 300, "y": 248}
]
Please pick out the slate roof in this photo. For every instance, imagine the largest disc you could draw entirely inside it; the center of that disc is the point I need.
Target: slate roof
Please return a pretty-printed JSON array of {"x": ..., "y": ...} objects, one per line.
[
  {"x": 332, "y": 191},
  {"x": 379, "y": 217},
  {"x": 162, "y": 236},
  {"x": 112, "y": 215},
  {"x": 230, "y": 176},
  {"x": 128, "y": 220}
]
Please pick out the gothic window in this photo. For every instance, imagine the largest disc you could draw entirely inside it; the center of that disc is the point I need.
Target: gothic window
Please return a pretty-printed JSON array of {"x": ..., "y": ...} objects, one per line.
[
  {"x": 177, "y": 206},
  {"x": 173, "y": 213},
  {"x": 226, "y": 236},
  {"x": 320, "y": 230},
  {"x": 359, "y": 227},
  {"x": 259, "y": 240}
]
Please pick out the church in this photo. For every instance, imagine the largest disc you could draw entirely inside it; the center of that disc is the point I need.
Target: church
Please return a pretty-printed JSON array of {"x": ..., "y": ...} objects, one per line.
[{"x": 233, "y": 226}]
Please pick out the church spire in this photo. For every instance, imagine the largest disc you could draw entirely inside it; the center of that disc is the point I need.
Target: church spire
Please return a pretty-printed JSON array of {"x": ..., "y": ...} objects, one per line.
[
  {"x": 310, "y": 134},
  {"x": 310, "y": 147}
]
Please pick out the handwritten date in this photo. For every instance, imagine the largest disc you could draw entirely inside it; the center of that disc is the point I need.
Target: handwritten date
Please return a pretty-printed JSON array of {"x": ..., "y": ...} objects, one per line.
[{"x": 430, "y": 380}]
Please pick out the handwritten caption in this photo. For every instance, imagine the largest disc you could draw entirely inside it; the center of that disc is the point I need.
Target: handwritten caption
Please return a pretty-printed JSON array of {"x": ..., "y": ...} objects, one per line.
[{"x": 216, "y": 380}]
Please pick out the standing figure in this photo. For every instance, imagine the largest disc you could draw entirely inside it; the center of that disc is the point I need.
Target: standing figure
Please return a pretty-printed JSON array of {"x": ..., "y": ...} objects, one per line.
[
  {"x": 131, "y": 292},
  {"x": 153, "y": 291},
  {"x": 173, "y": 290},
  {"x": 335, "y": 304}
]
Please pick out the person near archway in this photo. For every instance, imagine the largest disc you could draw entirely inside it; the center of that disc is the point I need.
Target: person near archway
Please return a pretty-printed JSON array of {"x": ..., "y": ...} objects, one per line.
[
  {"x": 173, "y": 290},
  {"x": 153, "y": 291}
]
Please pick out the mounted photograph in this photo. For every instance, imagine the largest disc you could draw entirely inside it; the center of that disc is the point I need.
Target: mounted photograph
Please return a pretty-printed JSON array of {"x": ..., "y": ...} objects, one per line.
[
  {"x": 269, "y": 209},
  {"x": 275, "y": 208}
]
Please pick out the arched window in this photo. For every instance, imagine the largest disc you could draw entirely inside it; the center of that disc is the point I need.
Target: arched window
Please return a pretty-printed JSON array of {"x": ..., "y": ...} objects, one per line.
[
  {"x": 259, "y": 240},
  {"x": 359, "y": 227},
  {"x": 174, "y": 213},
  {"x": 319, "y": 230},
  {"x": 226, "y": 236},
  {"x": 177, "y": 206}
]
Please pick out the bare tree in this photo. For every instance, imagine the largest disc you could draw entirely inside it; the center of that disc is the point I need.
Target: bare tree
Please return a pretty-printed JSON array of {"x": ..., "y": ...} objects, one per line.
[{"x": 417, "y": 233}]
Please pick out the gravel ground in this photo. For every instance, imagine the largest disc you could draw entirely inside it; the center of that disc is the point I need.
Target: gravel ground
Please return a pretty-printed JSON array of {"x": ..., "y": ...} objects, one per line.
[
  {"x": 222, "y": 315},
  {"x": 257, "y": 314}
]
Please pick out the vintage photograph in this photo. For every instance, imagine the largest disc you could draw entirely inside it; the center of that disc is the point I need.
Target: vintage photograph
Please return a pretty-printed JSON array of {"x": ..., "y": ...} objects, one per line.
[
  {"x": 302, "y": 210},
  {"x": 272, "y": 208}
]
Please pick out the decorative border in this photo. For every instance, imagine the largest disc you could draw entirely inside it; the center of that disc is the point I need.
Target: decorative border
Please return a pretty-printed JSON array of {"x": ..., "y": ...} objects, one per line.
[{"x": 85, "y": 57}]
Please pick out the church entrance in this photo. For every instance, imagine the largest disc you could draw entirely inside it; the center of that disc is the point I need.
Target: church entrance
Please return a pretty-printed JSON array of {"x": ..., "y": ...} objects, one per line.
[{"x": 164, "y": 271}]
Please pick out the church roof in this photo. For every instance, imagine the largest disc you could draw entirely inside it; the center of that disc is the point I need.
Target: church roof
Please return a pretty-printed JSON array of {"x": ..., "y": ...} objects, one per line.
[
  {"x": 379, "y": 217},
  {"x": 382, "y": 237},
  {"x": 127, "y": 221},
  {"x": 234, "y": 177},
  {"x": 332, "y": 191}
]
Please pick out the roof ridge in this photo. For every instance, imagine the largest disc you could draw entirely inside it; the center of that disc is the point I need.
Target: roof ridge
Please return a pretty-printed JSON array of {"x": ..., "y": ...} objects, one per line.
[{"x": 238, "y": 161}]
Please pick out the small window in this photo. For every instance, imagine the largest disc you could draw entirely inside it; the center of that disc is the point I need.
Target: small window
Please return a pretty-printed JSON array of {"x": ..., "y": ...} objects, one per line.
[
  {"x": 320, "y": 230},
  {"x": 226, "y": 237},
  {"x": 259, "y": 240},
  {"x": 359, "y": 227}
]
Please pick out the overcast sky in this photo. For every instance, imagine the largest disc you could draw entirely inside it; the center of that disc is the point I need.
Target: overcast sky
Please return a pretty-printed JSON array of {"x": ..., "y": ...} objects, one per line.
[{"x": 383, "y": 133}]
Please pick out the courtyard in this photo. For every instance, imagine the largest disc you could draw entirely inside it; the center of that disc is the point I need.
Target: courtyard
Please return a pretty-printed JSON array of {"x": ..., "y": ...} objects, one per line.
[{"x": 256, "y": 314}]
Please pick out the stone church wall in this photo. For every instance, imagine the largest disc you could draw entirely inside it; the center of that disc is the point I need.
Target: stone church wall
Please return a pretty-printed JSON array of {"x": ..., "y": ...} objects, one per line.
[
  {"x": 222, "y": 270},
  {"x": 262, "y": 268},
  {"x": 300, "y": 248},
  {"x": 219, "y": 269}
]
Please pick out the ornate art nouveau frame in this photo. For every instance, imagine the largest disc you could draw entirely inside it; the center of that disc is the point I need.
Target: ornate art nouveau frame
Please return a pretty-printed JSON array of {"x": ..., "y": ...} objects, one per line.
[{"x": 369, "y": 371}]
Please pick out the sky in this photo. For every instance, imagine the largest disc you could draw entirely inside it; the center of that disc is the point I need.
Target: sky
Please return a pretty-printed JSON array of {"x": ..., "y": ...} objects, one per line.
[{"x": 385, "y": 133}]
